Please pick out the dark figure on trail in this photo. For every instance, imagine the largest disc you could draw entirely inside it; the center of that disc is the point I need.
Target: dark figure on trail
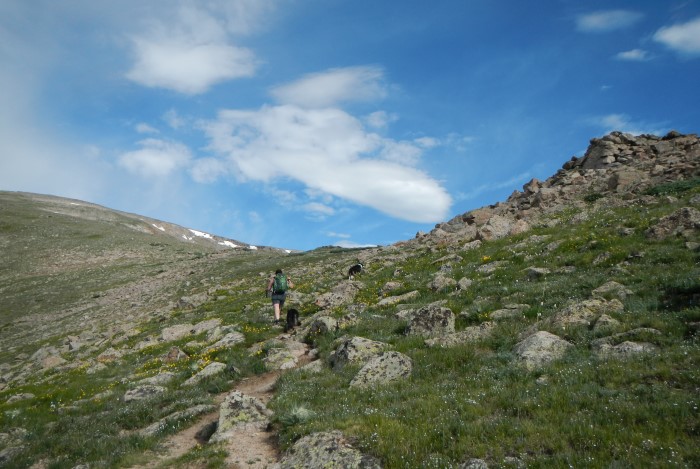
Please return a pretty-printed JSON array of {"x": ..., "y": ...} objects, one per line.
[
  {"x": 277, "y": 287},
  {"x": 354, "y": 270}
]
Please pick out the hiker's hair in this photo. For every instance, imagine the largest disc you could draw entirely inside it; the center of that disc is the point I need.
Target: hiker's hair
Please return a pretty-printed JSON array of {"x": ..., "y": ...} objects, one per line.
[{"x": 278, "y": 271}]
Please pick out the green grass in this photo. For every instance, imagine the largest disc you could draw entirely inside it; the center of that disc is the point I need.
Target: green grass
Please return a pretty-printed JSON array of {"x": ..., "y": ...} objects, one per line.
[{"x": 467, "y": 401}]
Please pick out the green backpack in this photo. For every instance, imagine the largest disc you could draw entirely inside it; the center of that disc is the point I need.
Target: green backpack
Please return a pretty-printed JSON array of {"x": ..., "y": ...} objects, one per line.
[{"x": 280, "y": 284}]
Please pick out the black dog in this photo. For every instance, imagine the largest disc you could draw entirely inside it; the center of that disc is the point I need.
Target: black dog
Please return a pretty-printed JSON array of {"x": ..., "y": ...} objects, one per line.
[
  {"x": 292, "y": 320},
  {"x": 354, "y": 270}
]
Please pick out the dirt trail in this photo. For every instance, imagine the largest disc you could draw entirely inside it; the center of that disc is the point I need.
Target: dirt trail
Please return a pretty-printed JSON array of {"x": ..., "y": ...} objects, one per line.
[{"x": 248, "y": 447}]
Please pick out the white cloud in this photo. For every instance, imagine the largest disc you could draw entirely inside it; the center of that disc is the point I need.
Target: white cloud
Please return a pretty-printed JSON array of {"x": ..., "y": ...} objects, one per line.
[
  {"x": 328, "y": 150},
  {"x": 157, "y": 158},
  {"x": 188, "y": 55},
  {"x": 333, "y": 87},
  {"x": 608, "y": 20},
  {"x": 683, "y": 38},
  {"x": 634, "y": 55}
]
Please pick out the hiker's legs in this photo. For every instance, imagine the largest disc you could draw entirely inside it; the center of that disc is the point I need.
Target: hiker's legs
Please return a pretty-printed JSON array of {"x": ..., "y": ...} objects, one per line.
[{"x": 276, "y": 305}]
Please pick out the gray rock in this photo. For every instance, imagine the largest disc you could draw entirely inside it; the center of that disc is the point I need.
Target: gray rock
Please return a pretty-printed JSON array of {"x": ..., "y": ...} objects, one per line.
[
  {"x": 176, "y": 332},
  {"x": 211, "y": 369},
  {"x": 356, "y": 350},
  {"x": 393, "y": 300},
  {"x": 159, "y": 379},
  {"x": 174, "y": 418},
  {"x": 611, "y": 290},
  {"x": 464, "y": 283},
  {"x": 626, "y": 349},
  {"x": 228, "y": 341},
  {"x": 280, "y": 359},
  {"x": 683, "y": 222},
  {"x": 239, "y": 410},
  {"x": 540, "y": 349},
  {"x": 323, "y": 451},
  {"x": 383, "y": 369},
  {"x": 442, "y": 282},
  {"x": 431, "y": 321},
  {"x": 586, "y": 312},
  {"x": 341, "y": 294},
  {"x": 473, "y": 463},
  {"x": 470, "y": 334},
  {"x": 536, "y": 273},
  {"x": 146, "y": 391}
]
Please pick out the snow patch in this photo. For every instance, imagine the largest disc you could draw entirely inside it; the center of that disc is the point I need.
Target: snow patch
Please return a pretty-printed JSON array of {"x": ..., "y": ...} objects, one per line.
[
  {"x": 228, "y": 244},
  {"x": 158, "y": 227},
  {"x": 253, "y": 248},
  {"x": 201, "y": 234},
  {"x": 188, "y": 238}
]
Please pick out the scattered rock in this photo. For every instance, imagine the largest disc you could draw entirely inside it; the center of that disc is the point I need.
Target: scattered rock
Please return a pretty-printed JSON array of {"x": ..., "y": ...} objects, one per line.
[
  {"x": 586, "y": 312},
  {"x": 174, "y": 418}
]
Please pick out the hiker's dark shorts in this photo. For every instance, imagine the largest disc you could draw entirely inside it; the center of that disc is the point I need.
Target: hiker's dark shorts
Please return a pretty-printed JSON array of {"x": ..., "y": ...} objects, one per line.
[{"x": 279, "y": 298}]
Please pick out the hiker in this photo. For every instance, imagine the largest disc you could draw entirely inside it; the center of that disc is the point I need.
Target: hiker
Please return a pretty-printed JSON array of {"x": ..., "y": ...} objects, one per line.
[{"x": 277, "y": 287}]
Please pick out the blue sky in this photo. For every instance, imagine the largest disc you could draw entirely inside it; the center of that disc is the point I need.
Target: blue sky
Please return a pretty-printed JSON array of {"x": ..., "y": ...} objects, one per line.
[{"x": 304, "y": 123}]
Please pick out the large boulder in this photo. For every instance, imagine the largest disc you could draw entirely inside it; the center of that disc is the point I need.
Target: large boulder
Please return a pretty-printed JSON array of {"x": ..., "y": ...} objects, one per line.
[
  {"x": 383, "y": 369},
  {"x": 356, "y": 350},
  {"x": 431, "y": 321}
]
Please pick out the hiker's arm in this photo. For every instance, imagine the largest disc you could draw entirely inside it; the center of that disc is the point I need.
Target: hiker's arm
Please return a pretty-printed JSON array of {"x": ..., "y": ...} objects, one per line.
[
  {"x": 269, "y": 284},
  {"x": 290, "y": 283}
]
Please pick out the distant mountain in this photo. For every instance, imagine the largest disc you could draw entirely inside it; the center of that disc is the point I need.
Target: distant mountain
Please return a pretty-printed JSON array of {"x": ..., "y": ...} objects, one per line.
[{"x": 81, "y": 210}]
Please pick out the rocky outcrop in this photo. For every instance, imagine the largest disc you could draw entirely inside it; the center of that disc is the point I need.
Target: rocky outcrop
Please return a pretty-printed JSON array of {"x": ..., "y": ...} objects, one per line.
[{"x": 615, "y": 164}]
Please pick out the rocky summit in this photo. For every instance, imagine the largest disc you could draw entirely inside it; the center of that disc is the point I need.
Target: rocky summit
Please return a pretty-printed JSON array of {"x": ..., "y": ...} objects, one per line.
[{"x": 557, "y": 328}]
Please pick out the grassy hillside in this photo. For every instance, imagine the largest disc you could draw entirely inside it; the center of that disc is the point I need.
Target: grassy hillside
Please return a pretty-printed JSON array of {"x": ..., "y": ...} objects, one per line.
[{"x": 471, "y": 400}]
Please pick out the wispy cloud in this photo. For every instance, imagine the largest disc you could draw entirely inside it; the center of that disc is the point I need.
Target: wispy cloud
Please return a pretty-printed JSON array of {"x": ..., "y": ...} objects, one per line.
[
  {"x": 156, "y": 158},
  {"x": 634, "y": 55},
  {"x": 608, "y": 20},
  {"x": 335, "y": 86},
  {"x": 683, "y": 38}
]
